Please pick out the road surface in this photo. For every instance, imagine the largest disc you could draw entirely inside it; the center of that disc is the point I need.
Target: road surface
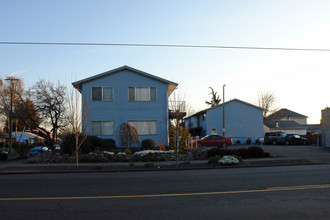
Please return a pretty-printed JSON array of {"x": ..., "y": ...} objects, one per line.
[{"x": 293, "y": 192}]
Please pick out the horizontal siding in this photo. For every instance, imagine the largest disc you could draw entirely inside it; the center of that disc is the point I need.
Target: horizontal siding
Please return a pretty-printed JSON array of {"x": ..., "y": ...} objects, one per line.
[{"x": 120, "y": 110}]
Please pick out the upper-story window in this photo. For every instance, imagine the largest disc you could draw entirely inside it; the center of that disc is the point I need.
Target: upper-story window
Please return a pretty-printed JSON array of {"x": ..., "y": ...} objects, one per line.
[
  {"x": 102, "y": 93},
  {"x": 142, "y": 94}
]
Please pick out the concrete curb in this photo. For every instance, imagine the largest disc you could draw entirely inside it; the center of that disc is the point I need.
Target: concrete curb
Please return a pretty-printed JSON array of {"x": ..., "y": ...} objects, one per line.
[{"x": 91, "y": 168}]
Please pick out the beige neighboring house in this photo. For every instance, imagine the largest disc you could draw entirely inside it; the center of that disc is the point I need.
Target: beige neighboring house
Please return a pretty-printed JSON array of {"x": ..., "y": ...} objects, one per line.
[
  {"x": 27, "y": 137},
  {"x": 287, "y": 121},
  {"x": 325, "y": 126}
]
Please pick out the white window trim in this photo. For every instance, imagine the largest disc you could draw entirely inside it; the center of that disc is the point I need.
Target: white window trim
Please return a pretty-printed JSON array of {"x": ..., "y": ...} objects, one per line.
[
  {"x": 113, "y": 94},
  {"x": 135, "y": 93}
]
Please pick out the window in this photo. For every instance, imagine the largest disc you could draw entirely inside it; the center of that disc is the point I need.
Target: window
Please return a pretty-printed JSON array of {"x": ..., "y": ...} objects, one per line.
[
  {"x": 96, "y": 93},
  {"x": 102, "y": 128},
  {"x": 144, "y": 127},
  {"x": 141, "y": 94},
  {"x": 102, "y": 93}
]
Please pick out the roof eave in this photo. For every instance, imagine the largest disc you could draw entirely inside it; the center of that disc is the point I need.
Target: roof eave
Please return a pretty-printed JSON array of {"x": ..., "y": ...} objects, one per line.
[{"x": 171, "y": 87}]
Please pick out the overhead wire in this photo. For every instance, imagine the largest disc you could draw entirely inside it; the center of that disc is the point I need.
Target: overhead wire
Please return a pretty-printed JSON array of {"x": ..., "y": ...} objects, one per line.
[{"x": 162, "y": 45}]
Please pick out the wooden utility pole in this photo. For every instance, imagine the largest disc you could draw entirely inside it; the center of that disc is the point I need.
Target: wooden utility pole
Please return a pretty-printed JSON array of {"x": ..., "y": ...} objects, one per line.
[{"x": 10, "y": 132}]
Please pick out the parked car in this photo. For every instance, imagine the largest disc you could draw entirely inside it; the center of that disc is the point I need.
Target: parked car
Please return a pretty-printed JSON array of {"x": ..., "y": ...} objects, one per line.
[
  {"x": 3, "y": 155},
  {"x": 293, "y": 139},
  {"x": 273, "y": 137},
  {"x": 214, "y": 140},
  {"x": 57, "y": 147},
  {"x": 38, "y": 150}
]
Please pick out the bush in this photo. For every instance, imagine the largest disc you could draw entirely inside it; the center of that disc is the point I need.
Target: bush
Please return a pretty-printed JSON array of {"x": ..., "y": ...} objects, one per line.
[
  {"x": 238, "y": 142},
  {"x": 243, "y": 152},
  {"x": 22, "y": 149},
  {"x": 237, "y": 157},
  {"x": 220, "y": 151},
  {"x": 68, "y": 144},
  {"x": 183, "y": 133},
  {"x": 256, "y": 152},
  {"x": 251, "y": 152},
  {"x": 128, "y": 151},
  {"x": 107, "y": 144},
  {"x": 214, "y": 159},
  {"x": 248, "y": 141},
  {"x": 162, "y": 147},
  {"x": 266, "y": 154},
  {"x": 91, "y": 144},
  {"x": 148, "y": 144}
]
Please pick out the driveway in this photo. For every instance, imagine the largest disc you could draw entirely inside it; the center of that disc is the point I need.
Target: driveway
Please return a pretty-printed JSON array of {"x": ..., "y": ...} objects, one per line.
[{"x": 312, "y": 153}]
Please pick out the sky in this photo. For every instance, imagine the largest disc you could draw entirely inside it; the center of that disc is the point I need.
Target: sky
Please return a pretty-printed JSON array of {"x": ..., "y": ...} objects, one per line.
[{"x": 298, "y": 79}]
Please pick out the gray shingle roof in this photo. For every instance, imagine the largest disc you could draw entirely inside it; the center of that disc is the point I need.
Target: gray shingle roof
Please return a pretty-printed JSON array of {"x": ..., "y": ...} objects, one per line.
[
  {"x": 283, "y": 124},
  {"x": 285, "y": 113},
  {"x": 233, "y": 100},
  {"x": 77, "y": 84}
]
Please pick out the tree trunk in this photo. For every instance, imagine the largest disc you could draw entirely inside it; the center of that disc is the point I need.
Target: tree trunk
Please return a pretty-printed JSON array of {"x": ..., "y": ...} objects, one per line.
[
  {"x": 77, "y": 150},
  {"x": 77, "y": 156}
]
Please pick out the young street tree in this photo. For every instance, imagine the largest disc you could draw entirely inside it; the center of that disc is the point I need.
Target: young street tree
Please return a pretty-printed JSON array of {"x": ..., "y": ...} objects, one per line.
[
  {"x": 215, "y": 99},
  {"x": 50, "y": 102},
  {"x": 77, "y": 115},
  {"x": 267, "y": 101},
  {"x": 177, "y": 110}
]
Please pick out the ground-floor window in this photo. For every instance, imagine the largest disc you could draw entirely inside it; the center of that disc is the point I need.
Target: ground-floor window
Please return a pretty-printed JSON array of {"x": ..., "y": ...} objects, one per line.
[
  {"x": 144, "y": 127},
  {"x": 102, "y": 128}
]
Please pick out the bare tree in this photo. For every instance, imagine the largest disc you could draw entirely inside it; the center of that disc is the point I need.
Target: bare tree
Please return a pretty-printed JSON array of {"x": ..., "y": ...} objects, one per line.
[
  {"x": 24, "y": 113},
  {"x": 77, "y": 115},
  {"x": 215, "y": 99},
  {"x": 6, "y": 90},
  {"x": 49, "y": 100},
  {"x": 177, "y": 109},
  {"x": 267, "y": 101}
]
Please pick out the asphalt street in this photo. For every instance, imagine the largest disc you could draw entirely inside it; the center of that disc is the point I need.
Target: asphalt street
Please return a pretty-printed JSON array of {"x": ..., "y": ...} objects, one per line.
[{"x": 287, "y": 192}]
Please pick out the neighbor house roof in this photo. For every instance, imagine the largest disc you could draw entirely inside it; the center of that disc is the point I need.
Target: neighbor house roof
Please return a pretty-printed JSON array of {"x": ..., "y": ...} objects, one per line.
[
  {"x": 27, "y": 134},
  {"x": 285, "y": 125},
  {"x": 285, "y": 113},
  {"x": 217, "y": 106},
  {"x": 171, "y": 85}
]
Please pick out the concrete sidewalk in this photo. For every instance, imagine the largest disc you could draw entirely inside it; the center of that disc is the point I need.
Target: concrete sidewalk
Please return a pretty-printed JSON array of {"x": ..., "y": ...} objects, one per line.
[{"x": 16, "y": 166}]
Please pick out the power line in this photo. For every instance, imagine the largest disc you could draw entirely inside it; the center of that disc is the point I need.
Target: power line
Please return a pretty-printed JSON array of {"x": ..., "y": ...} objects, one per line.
[{"x": 161, "y": 45}]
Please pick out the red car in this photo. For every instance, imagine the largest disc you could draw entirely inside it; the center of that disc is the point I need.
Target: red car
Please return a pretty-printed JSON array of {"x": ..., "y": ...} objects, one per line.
[{"x": 214, "y": 140}]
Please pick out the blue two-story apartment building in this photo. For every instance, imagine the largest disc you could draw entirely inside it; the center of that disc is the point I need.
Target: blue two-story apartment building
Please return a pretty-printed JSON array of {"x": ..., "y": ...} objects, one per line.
[{"x": 126, "y": 95}]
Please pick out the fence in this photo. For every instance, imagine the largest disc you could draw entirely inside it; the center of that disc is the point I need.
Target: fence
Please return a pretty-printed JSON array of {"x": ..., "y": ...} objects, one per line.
[{"x": 192, "y": 142}]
